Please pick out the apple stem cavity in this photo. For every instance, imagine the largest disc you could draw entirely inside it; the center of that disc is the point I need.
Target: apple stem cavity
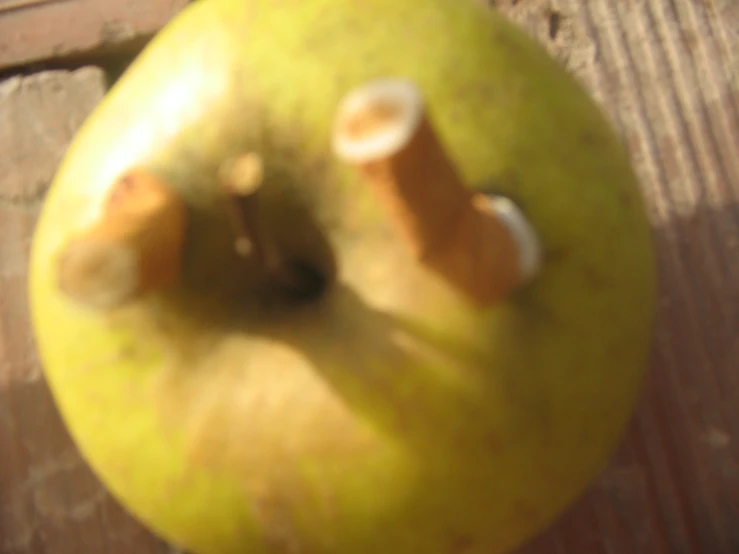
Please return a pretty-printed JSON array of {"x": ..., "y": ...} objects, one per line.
[
  {"x": 481, "y": 244},
  {"x": 135, "y": 247},
  {"x": 241, "y": 179}
]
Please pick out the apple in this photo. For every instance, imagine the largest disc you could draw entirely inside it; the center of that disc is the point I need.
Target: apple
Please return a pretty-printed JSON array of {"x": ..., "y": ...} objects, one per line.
[{"x": 334, "y": 277}]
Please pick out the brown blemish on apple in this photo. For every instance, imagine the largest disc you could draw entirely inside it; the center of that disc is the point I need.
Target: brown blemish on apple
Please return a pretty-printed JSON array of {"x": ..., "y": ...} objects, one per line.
[
  {"x": 383, "y": 129},
  {"x": 461, "y": 545},
  {"x": 589, "y": 138},
  {"x": 595, "y": 278},
  {"x": 556, "y": 255},
  {"x": 525, "y": 512},
  {"x": 495, "y": 443},
  {"x": 277, "y": 525},
  {"x": 135, "y": 247}
]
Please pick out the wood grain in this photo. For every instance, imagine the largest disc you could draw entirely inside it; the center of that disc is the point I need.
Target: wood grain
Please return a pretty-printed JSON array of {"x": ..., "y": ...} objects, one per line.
[
  {"x": 666, "y": 72},
  {"x": 57, "y": 31}
]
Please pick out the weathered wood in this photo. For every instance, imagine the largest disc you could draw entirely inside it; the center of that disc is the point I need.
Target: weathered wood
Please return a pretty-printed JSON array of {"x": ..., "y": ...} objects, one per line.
[
  {"x": 667, "y": 74},
  {"x": 42, "y": 30}
]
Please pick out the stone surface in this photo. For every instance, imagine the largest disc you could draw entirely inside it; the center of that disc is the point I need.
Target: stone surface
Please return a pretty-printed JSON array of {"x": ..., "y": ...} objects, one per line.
[
  {"x": 39, "y": 114},
  {"x": 50, "y": 502},
  {"x": 43, "y": 30}
]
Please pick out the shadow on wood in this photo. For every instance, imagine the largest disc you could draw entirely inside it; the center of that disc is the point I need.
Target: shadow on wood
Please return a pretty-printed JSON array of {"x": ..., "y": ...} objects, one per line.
[{"x": 673, "y": 486}]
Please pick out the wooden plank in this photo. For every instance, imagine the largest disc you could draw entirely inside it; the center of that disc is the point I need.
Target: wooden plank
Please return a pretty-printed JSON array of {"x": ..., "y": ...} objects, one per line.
[
  {"x": 53, "y": 30},
  {"x": 667, "y": 75}
]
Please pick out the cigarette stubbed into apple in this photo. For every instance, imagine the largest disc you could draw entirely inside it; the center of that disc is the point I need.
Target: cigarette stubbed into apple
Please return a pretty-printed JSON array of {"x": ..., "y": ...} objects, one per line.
[
  {"x": 481, "y": 244},
  {"x": 133, "y": 249}
]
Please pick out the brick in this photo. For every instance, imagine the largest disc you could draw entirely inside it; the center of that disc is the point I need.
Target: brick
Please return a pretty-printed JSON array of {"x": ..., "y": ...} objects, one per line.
[
  {"x": 39, "y": 30},
  {"x": 39, "y": 115}
]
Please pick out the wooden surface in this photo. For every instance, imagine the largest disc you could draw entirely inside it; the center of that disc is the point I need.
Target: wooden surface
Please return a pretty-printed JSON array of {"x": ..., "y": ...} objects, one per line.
[
  {"x": 56, "y": 30},
  {"x": 667, "y": 74}
]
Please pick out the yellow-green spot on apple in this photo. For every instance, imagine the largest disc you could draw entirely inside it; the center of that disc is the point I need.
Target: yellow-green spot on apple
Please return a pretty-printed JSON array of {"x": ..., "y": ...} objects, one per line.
[{"x": 319, "y": 364}]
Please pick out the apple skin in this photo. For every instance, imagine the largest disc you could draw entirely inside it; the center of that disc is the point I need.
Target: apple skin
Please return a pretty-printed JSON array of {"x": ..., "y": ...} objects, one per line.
[{"x": 390, "y": 415}]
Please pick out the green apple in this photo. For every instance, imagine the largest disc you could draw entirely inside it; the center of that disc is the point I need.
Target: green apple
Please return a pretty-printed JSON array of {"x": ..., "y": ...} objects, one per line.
[{"x": 382, "y": 409}]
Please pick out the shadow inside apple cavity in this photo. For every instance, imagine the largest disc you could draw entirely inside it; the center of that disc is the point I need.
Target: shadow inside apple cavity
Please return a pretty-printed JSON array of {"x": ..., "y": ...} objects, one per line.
[{"x": 288, "y": 217}]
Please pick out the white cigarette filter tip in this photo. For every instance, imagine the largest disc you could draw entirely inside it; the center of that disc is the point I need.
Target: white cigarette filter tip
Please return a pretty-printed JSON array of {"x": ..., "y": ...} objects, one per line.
[
  {"x": 103, "y": 275},
  {"x": 523, "y": 234},
  {"x": 376, "y": 120}
]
